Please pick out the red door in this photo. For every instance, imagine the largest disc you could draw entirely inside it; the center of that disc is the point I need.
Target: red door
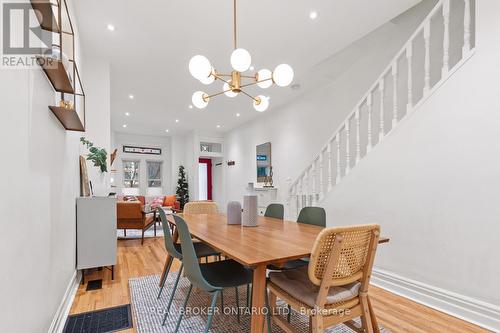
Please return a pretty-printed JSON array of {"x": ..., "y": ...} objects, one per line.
[{"x": 208, "y": 162}]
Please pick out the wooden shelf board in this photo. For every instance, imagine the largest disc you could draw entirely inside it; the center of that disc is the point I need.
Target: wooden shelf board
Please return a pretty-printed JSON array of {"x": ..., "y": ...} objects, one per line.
[
  {"x": 56, "y": 73},
  {"x": 68, "y": 118},
  {"x": 45, "y": 15}
]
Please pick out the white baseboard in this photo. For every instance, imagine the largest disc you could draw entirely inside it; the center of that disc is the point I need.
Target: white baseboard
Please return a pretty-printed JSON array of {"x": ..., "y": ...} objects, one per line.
[
  {"x": 62, "y": 312},
  {"x": 469, "y": 309}
]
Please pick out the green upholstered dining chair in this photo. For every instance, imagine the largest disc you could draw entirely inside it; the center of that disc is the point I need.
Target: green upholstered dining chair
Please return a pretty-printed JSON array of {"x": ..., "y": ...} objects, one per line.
[
  {"x": 276, "y": 211},
  {"x": 210, "y": 277},
  {"x": 175, "y": 251},
  {"x": 313, "y": 216}
]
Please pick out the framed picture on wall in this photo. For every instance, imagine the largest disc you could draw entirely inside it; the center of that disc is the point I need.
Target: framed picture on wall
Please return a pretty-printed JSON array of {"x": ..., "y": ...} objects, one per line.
[{"x": 141, "y": 150}]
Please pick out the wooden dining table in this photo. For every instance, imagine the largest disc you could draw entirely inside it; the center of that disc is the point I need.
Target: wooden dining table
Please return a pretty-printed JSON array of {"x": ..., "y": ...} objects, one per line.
[{"x": 272, "y": 241}]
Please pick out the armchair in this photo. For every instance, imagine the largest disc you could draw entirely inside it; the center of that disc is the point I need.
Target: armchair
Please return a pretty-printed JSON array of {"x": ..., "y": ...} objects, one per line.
[{"x": 131, "y": 215}]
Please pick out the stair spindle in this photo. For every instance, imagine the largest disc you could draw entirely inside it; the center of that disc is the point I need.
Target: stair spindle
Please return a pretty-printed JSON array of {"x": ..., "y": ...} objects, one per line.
[
  {"x": 329, "y": 150},
  {"x": 306, "y": 187},
  {"x": 466, "y": 47},
  {"x": 427, "y": 41},
  {"x": 446, "y": 38},
  {"x": 347, "y": 146},
  {"x": 313, "y": 180},
  {"x": 382, "y": 92},
  {"x": 321, "y": 179},
  {"x": 369, "y": 106},
  {"x": 395, "y": 94},
  {"x": 409, "y": 57},
  {"x": 358, "y": 137},
  {"x": 337, "y": 179}
]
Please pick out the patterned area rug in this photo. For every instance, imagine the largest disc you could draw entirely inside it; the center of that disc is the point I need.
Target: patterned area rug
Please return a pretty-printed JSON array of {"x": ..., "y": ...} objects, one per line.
[
  {"x": 149, "y": 311},
  {"x": 137, "y": 233}
]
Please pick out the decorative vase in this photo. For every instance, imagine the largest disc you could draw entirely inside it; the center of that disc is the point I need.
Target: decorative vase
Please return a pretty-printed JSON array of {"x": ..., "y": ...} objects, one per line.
[
  {"x": 234, "y": 212},
  {"x": 249, "y": 216}
]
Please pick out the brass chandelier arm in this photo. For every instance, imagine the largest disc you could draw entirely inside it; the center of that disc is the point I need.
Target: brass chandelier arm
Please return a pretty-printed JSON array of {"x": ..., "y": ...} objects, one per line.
[
  {"x": 217, "y": 94},
  {"x": 254, "y": 98},
  {"x": 251, "y": 84},
  {"x": 218, "y": 76}
]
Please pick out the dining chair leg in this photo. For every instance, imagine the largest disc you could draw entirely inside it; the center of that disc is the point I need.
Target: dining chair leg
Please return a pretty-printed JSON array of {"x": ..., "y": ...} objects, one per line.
[
  {"x": 376, "y": 327},
  {"x": 183, "y": 309},
  {"x": 211, "y": 311},
  {"x": 289, "y": 314},
  {"x": 237, "y": 303},
  {"x": 317, "y": 324},
  {"x": 173, "y": 292},
  {"x": 248, "y": 295},
  {"x": 268, "y": 315},
  {"x": 366, "y": 320},
  {"x": 163, "y": 284}
]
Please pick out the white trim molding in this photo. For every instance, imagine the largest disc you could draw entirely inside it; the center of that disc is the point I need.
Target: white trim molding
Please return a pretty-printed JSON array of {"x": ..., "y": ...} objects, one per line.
[
  {"x": 469, "y": 309},
  {"x": 62, "y": 312}
]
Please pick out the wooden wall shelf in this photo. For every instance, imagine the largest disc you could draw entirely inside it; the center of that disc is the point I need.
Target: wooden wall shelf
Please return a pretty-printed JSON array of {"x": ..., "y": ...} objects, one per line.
[
  {"x": 45, "y": 14},
  {"x": 57, "y": 74},
  {"x": 68, "y": 118},
  {"x": 54, "y": 16}
]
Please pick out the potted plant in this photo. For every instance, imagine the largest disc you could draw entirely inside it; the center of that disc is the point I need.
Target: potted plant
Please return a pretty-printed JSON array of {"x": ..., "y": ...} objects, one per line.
[{"x": 99, "y": 157}]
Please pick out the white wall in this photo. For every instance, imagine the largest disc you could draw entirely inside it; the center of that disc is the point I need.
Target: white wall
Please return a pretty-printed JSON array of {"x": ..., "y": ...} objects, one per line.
[
  {"x": 443, "y": 226},
  {"x": 298, "y": 130},
  {"x": 40, "y": 168},
  {"x": 162, "y": 142}
]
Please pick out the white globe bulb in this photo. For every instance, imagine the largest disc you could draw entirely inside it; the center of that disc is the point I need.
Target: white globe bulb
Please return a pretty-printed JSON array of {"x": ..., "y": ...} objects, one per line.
[
  {"x": 228, "y": 93},
  {"x": 265, "y": 74},
  {"x": 199, "y": 67},
  {"x": 263, "y": 105},
  {"x": 283, "y": 75},
  {"x": 241, "y": 60},
  {"x": 209, "y": 79},
  {"x": 198, "y": 100}
]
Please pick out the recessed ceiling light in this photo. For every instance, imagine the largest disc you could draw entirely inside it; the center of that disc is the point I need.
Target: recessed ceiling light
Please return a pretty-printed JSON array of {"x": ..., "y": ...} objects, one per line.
[
  {"x": 176, "y": 120},
  {"x": 218, "y": 126},
  {"x": 313, "y": 15},
  {"x": 111, "y": 27},
  {"x": 131, "y": 96},
  {"x": 127, "y": 114},
  {"x": 190, "y": 106},
  {"x": 167, "y": 130},
  {"x": 237, "y": 115},
  {"x": 124, "y": 126}
]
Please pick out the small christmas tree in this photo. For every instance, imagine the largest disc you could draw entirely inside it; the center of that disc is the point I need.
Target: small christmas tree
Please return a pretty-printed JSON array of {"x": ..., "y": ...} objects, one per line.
[{"x": 182, "y": 187}]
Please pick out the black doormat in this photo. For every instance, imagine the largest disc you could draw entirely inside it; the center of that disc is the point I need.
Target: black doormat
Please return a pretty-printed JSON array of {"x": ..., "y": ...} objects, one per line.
[{"x": 101, "y": 321}]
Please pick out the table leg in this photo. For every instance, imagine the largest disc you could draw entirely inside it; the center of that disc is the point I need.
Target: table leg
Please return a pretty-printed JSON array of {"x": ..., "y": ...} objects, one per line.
[
  {"x": 258, "y": 299},
  {"x": 163, "y": 277}
]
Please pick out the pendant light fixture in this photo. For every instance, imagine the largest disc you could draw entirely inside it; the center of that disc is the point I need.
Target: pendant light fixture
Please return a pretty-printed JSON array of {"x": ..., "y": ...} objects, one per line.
[{"x": 201, "y": 69}]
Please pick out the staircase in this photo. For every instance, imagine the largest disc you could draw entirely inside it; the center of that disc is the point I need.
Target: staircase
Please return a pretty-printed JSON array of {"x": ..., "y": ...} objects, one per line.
[{"x": 438, "y": 47}]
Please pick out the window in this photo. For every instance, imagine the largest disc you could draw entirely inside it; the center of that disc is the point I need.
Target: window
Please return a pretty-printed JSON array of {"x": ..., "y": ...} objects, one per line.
[
  {"x": 154, "y": 173},
  {"x": 130, "y": 174}
]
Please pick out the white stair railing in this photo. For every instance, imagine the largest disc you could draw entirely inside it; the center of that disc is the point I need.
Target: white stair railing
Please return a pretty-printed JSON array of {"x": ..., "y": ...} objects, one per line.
[{"x": 312, "y": 185}]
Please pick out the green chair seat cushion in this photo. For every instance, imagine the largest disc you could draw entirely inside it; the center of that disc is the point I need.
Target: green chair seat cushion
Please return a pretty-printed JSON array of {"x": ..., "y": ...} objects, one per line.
[
  {"x": 292, "y": 264},
  {"x": 226, "y": 274},
  {"x": 201, "y": 249}
]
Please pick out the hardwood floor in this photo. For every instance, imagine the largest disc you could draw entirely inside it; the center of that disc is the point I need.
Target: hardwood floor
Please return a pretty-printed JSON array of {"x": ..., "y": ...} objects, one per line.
[{"x": 393, "y": 312}]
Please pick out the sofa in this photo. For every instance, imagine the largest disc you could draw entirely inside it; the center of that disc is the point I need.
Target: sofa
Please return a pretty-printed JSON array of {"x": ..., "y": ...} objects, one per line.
[{"x": 139, "y": 212}]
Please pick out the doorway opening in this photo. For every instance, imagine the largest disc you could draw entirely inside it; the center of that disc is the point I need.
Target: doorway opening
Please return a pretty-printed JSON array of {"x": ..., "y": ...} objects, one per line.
[{"x": 205, "y": 179}]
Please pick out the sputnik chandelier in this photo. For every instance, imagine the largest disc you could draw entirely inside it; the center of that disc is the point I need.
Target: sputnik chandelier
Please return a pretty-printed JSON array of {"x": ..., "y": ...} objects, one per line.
[{"x": 201, "y": 69}]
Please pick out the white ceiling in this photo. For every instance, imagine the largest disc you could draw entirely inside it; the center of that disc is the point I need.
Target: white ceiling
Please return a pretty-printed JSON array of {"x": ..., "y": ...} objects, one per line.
[{"x": 153, "y": 41}]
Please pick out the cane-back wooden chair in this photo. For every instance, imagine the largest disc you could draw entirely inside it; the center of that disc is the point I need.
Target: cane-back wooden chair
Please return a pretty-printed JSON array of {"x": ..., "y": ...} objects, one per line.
[{"x": 333, "y": 289}]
